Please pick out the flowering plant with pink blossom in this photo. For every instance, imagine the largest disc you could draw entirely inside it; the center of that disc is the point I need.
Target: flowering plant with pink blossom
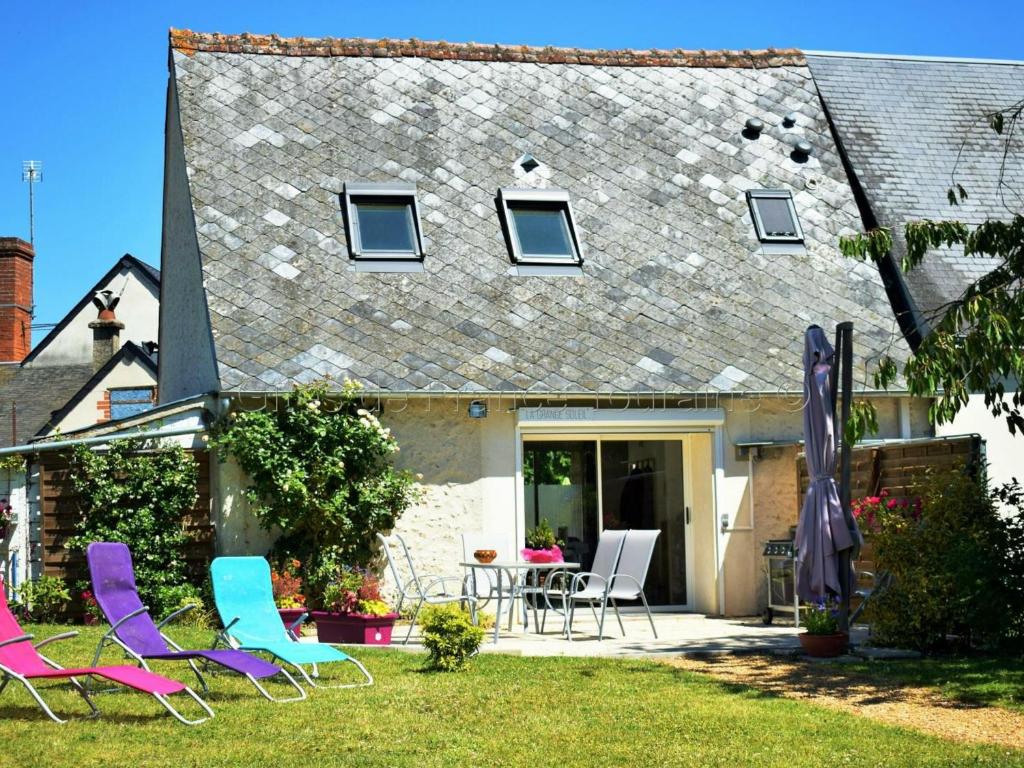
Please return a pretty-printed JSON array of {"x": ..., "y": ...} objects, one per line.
[{"x": 869, "y": 510}]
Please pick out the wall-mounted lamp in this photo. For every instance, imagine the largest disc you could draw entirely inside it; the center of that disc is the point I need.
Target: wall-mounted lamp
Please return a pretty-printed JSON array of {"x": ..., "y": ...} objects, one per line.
[{"x": 478, "y": 409}]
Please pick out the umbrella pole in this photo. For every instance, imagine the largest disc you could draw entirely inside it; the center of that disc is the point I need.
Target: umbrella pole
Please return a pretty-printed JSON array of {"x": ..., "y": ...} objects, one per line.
[{"x": 844, "y": 350}]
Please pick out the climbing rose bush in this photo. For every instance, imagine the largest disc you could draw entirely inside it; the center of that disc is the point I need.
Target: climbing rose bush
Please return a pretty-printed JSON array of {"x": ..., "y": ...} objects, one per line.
[{"x": 321, "y": 474}]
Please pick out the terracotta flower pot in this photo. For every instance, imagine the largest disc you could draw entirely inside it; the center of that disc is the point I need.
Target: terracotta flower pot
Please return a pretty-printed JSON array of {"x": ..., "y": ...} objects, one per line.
[
  {"x": 824, "y": 646},
  {"x": 353, "y": 627}
]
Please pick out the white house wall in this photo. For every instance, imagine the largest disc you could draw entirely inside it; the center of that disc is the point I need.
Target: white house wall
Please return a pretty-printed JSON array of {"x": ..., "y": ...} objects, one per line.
[
  {"x": 128, "y": 373},
  {"x": 1005, "y": 452},
  {"x": 14, "y": 550},
  {"x": 139, "y": 310}
]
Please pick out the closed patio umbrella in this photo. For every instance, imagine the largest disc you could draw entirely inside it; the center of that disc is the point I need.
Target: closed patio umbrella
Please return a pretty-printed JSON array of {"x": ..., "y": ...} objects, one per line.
[{"x": 822, "y": 532}]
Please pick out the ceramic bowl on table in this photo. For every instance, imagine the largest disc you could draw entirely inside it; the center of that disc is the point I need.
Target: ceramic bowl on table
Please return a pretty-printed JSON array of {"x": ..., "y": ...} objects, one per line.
[{"x": 485, "y": 555}]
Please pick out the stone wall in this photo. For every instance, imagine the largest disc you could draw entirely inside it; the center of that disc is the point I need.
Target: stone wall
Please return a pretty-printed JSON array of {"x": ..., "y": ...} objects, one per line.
[{"x": 468, "y": 468}]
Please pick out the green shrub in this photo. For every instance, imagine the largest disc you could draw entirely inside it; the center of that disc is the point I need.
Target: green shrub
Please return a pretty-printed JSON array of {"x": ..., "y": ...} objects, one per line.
[
  {"x": 956, "y": 566},
  {"x": 138, "y": 493},
  {"x": 173, "y": 598},
  {"x": 45, "y": 599},
  {"x": 449, "y": 636}
]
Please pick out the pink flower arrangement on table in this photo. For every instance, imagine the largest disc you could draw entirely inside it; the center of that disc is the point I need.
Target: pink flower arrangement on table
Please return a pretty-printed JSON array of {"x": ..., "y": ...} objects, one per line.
[
  {"x": 542, "y": 546},
  {"x": 552, "y": 554}
]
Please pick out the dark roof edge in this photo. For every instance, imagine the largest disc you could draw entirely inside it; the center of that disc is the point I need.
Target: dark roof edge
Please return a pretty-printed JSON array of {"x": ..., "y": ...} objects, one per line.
[
  {"x": 189, "y": 42},
  {"x": 130, "y": 348},
  {"x": 908, "y": 317},
  {"x": 152, "y": 274},
  {"x": 911, "y": 57}
]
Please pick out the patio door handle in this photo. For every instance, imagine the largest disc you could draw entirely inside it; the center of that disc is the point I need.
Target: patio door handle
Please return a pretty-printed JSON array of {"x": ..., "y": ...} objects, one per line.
[{"x": 687, "y": 515}]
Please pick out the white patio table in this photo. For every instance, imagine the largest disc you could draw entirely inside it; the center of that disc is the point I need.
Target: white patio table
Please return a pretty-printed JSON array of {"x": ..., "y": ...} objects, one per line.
[{"x": 511, "y": 567}]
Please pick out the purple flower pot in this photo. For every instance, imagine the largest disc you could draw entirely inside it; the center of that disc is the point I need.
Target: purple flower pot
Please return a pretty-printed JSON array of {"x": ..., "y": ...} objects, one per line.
[
  {"x": 290, "y": 615},
  {"x": 334, "y": 627}
]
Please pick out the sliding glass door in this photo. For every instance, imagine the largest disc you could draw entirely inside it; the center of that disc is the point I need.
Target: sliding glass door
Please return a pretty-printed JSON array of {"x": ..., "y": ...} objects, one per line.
[
  {"x": 642, "y": 487},
  {"x": 584, "y": 486},
  {"x": 560, "y": 484}
]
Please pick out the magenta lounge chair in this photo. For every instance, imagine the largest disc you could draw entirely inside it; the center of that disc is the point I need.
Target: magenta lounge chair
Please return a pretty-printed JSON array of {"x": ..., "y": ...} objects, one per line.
[
  {"x": 133, "y": 630},
  {"x": 21, "y": 661}
]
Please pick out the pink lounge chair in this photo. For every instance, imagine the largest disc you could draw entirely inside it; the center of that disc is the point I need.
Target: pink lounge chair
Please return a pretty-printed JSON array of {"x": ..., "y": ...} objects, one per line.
[{"x": 20, "y": 660}]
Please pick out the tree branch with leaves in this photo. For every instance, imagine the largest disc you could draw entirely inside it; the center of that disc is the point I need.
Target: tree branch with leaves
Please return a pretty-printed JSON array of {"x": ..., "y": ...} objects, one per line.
[{"x": 974, "y": 344}]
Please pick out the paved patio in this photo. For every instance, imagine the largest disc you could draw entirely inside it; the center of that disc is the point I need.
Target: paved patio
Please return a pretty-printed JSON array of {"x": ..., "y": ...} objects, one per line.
[{"x": 678, "y": 634}]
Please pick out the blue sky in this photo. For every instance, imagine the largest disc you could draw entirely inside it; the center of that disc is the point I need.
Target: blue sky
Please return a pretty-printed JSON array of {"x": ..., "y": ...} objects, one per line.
[{"x": 82, "y": 85}]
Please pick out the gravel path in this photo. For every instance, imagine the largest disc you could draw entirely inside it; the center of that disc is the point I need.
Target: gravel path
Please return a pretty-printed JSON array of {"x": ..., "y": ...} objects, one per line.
[{"x": 923, "y": 709}]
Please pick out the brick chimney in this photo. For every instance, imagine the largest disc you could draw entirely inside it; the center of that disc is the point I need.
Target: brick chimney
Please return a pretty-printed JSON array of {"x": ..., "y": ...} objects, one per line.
[
  {"x": 106, "y": 329},
  {"x": 16, "y": 257}
]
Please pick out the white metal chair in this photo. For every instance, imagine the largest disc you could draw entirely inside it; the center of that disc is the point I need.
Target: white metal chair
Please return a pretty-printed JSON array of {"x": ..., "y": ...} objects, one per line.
[
  {"x": 422, "y": 588},
  {"x": 483, "y": 583},
  {"x": 588, "y": 586},
  {"x": 627, "y": 583}
]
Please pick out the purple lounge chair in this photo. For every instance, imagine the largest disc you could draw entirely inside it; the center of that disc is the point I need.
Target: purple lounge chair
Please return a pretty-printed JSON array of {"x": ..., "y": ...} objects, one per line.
[
  {"x": 22, "y": 662},
  {"x": 132, "y": 628}
]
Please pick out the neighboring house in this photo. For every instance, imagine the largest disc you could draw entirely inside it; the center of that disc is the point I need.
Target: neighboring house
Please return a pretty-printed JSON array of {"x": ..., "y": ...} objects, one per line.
[
  {"x": 81, "y": 373},
  {"x": 903, "y": 123},
  {"x": 575, "y": 283}
]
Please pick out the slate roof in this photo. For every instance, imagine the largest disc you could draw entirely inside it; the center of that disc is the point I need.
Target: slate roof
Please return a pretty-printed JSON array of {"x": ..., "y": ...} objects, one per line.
[
  {"x": 676, "y": 293},
  {"x": 901, "y": 122},
  {"x": 35, "y": 393}
]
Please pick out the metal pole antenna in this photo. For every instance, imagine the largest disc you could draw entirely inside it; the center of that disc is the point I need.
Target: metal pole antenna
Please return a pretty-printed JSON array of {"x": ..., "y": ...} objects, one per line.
[{"x": 31, "y": 171}]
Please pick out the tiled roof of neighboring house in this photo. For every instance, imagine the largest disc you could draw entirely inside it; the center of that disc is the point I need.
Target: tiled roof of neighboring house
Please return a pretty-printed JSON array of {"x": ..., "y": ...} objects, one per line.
[
  {"x": 901, "y": 122},
  {"x": 34, "y": 394},
  {"x": 675, "y": 293}
]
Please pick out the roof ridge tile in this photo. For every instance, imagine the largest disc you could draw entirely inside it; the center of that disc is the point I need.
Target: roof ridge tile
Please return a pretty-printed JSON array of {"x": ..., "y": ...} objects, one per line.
[{"x": 188, "y": 42}]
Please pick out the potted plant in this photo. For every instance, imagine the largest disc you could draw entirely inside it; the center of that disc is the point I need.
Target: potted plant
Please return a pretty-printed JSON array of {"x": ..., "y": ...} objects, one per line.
[
  {"x": 354, "y": 611},
  {"x": 541, "y": 545},
  {"x": 287, "y": 587},
  {"x": 822, "y": 637}
]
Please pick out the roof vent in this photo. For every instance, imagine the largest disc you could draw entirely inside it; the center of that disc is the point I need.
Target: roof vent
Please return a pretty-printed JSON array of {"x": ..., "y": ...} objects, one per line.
[
  {"x": 801, "y": 151},
  {"x": 753, "y": 127},
  {"x": 528, "y": 162},
  {"x": 789, "y": 120}
]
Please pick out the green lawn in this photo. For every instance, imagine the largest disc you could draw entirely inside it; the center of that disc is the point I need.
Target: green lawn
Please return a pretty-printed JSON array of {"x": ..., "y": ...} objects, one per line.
[
  {"x": 505, "y": 711},
  {"x": 992, "y": 681}
]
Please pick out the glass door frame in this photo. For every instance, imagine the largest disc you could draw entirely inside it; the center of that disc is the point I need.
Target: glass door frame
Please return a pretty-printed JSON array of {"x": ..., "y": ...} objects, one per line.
[{"x": 597, "y": 434}]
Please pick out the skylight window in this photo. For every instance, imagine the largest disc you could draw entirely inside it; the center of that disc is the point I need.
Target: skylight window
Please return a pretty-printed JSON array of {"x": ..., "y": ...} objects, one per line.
[
  {"x": 382, "y": 221},
  {"x": 774, "y": 216},
  {"x": 539, "y": 226}
]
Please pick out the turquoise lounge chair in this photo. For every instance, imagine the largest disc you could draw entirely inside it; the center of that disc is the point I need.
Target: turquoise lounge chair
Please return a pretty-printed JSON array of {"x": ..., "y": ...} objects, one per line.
[{"x": 245, "y": 602}]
